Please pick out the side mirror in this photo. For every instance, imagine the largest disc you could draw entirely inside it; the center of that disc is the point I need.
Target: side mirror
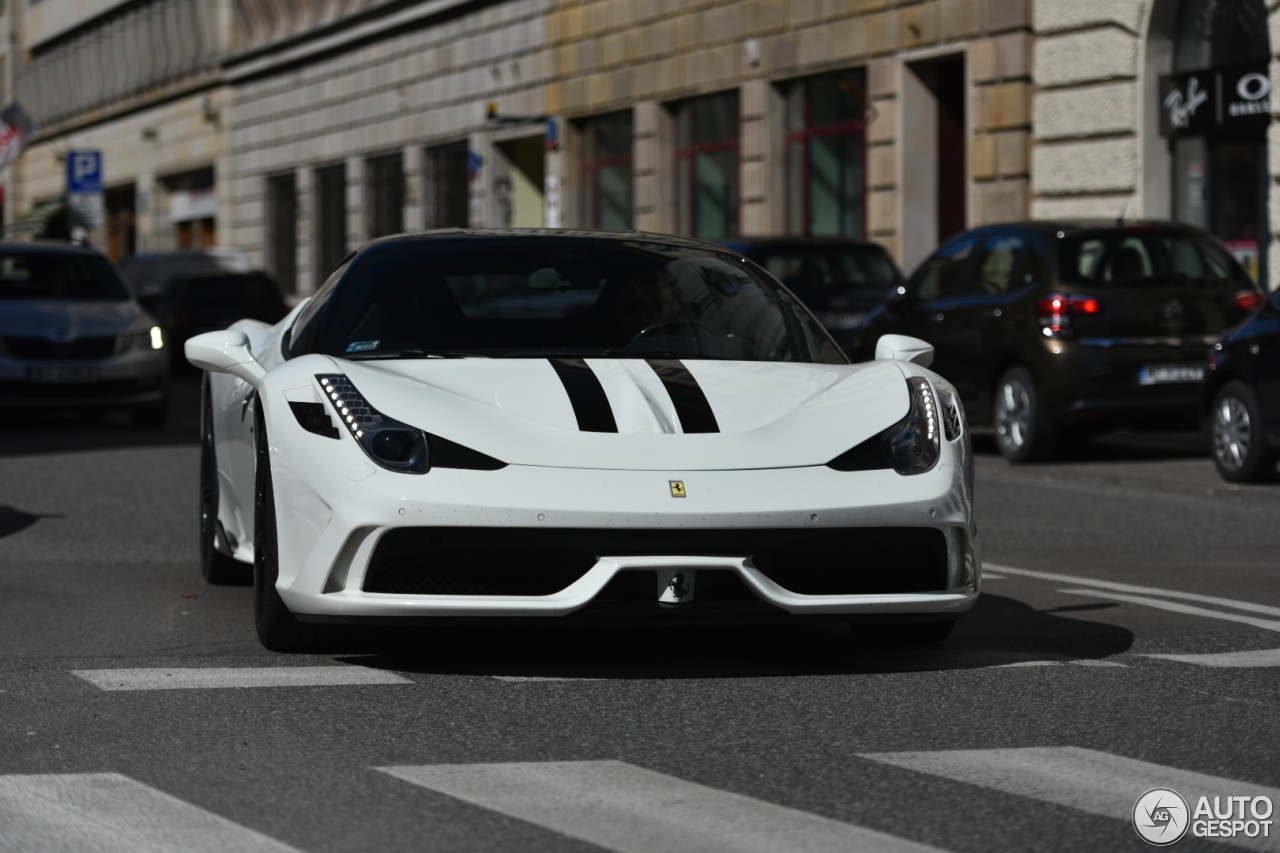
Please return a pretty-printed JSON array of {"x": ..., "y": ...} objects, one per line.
[
  {"x": 904, "y": 348},
  {"x": 226, "y": 351}
]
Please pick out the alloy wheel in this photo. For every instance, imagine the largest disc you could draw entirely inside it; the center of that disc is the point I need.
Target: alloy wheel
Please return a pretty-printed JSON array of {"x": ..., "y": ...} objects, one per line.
[
  {"x": 1013, "y": 413},
  {"x": 1231, "y": 433}
]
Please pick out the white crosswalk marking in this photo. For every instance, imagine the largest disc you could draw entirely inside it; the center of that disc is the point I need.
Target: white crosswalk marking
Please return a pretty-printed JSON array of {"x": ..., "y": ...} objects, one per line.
[
  {"x": 110, "y": 813},
  {"x": 1174, "y": 607},
  {"x": 249, "y": 676},
  {"x": 1095, "y": 782},
  {"x": 1235, "y": 660},
  {"x": 628, "y": 809},
  {"x": 1234, "y": 604}
]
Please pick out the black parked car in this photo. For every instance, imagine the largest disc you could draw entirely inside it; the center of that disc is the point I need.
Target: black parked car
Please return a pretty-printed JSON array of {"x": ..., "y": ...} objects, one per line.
[
  {"x": 839, "y": 280},
  {"x": 1242, "y": 397},
  {"x": 1055, "y": 328},
  {"x": 207, "y": 301}
]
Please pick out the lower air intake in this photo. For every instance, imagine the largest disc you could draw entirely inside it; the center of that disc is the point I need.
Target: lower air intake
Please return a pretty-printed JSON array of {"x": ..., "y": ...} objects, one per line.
[
  {"x": 859, "y": 561},
  {"x": 466, "y": 561}
]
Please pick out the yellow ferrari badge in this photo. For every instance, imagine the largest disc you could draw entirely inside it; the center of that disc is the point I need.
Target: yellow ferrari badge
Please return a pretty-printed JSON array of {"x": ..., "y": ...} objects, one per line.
[{"x": 677, "y": 488}]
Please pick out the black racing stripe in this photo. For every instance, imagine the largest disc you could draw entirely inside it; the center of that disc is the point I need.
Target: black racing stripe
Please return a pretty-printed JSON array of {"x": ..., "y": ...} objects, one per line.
[
  {"x": 691, "y": 404},
  {"x": 590, "y": 405}
]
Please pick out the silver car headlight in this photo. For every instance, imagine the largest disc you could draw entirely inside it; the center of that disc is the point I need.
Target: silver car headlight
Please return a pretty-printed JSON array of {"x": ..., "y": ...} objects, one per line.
[
  {"x": 914, "y": 443},
  {"x": 389, "y": 443}
]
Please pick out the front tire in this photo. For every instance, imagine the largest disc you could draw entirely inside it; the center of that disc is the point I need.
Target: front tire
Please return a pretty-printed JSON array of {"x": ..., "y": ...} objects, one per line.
[
  {"x": 278, "y": 629},
  {"x": 217, "y": 568},
  {"x": 1024, "y": 431},
  {"x": 1240, "y": 449}
]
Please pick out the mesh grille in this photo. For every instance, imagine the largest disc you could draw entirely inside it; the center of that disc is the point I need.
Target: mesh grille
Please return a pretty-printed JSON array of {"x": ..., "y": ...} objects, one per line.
[
  {"x": 42, "y": 348},
  {"x": 951, "y": 420},
  {"x": 873, "y": 561}
]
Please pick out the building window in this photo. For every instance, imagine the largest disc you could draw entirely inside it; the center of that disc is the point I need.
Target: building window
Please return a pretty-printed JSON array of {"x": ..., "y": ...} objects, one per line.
[
  {"x": 384, "y": 192},
  {"x": 447, "y": 194},
  {"x": 707, "y": 166},
  {"x": 606, "y": 167},
  {"x": 331, "y": 219},
  {"x": 826, "y": 155},
  {"x": 282, "y": 231}
]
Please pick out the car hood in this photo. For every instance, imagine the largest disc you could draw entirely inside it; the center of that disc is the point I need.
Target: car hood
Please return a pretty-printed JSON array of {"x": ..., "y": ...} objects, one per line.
[
  {"x": 64, "y": 320},
  {"x": 767, "y": 415}
]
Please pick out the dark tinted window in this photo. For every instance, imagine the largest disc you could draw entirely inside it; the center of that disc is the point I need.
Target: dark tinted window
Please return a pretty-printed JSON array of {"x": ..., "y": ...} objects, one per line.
[
  {"x": 253, "y": 295},
  {"x": 996, "y": 268},
  {"x": 532, "y": 296},
  {"x": 305, "y": 331},
  {"x": 1118, "y": 257},
  {"x": 48, "y": 275},
  {"x": 828, "y": 266},
  {"x": 944, "y": 273}
]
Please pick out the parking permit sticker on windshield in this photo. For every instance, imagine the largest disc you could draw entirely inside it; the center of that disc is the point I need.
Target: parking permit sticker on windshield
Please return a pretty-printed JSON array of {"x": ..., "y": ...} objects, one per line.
[{"x": 362, "y": 346}]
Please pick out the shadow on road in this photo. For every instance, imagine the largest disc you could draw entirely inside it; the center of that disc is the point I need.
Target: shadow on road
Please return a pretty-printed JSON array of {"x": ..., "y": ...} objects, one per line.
[
  {"x": 26, "y": 431},
  {"x": 1000, "y": 631},
  {"x": 15, "y": 520},
  {"x": 1118, "y": 447}
]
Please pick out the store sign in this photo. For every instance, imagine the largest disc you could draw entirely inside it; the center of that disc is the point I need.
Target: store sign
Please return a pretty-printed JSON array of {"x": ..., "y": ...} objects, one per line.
[
  {"x": 186, "y": 205},
  {"x": 1219, "y": 99}
]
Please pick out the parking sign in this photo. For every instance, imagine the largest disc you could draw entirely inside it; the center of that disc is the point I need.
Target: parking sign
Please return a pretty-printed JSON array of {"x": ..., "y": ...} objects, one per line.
[{"x": 84, "y": 189}]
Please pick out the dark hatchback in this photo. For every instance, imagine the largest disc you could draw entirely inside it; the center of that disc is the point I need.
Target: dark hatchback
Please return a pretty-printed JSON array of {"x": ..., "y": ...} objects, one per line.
[
  {"x": 207, "y": 301},
  {"x": 1242, "y": 397},
  {"x": 1052, "y": 329},
  {"x": 839, "y": 280}
]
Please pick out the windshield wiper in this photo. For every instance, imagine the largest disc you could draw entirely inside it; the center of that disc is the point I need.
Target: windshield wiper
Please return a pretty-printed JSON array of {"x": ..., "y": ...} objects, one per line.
[{"x": 408, "y": 353}]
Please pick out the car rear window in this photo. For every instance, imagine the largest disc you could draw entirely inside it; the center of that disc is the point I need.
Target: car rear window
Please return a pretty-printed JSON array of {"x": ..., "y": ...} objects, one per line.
[
  {"x": 1131, "y": 256},
  {"x": 53, "y": 276},
  {"x": 829, "y": 266}
]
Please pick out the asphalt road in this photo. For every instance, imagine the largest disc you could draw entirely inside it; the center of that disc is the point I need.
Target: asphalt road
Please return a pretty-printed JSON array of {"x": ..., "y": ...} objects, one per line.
[{"x": 1128, "y": 638}]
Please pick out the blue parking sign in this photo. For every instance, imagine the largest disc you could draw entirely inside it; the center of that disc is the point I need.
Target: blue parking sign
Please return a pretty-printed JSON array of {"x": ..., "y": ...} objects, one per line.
[{"x": 84, "y": 172}]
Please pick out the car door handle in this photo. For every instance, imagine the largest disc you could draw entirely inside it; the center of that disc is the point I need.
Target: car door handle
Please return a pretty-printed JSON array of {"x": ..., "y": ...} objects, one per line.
[{"x": 992, "y": 312}]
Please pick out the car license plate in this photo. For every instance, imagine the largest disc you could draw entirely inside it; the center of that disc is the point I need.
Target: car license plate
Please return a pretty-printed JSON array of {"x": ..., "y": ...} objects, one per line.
[
  {"x": 63, "y": 374},
  {"x": 1164, "y": 374}
]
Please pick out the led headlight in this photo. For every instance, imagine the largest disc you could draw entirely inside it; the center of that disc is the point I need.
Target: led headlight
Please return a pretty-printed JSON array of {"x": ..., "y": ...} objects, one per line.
[
  {"x": 914, "y": 444},
  {"x": 151, "y": 339},
  {"x": 389, "y": 443}
]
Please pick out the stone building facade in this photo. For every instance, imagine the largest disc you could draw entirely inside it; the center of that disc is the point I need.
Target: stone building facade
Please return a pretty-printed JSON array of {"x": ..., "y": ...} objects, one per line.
[{"x": 323, "y": 124}]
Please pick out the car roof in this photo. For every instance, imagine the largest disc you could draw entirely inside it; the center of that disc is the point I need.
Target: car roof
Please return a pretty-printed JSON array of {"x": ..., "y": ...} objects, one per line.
[
  {"x": 50, "y": 247},
  {"x": 490, "y": 233},
  {"x": 787, "y": 241},
  {"x": 1075, "y": 226}
]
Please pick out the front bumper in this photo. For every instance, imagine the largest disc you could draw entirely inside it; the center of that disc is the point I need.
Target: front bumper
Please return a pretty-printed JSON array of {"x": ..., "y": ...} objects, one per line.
[
  {"x": 125, "y": 380},
  {"x": 326, "y": 548}
]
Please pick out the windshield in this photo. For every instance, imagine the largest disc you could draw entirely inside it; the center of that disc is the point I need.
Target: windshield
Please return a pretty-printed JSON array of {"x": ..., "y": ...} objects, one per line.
[
  {"x": 48, "y": 275},
  {"x": 545, "y": 295},
  {"x": 1134, "y": 255}
]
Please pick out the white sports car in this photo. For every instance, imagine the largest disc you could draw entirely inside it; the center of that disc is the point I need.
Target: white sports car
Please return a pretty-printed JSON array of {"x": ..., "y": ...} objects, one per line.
[{"x": 576, "y": 426}]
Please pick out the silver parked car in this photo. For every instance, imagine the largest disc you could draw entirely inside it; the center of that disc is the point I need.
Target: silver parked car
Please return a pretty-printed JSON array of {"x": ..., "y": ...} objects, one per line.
[{"x": 72, "y": 335}]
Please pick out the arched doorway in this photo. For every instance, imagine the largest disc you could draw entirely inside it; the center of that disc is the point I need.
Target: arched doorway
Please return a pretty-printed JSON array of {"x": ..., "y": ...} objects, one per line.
[{"x": 1208, "y": 61}]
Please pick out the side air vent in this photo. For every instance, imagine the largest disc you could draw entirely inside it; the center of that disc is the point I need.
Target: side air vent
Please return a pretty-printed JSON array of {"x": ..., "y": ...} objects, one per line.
[
  {"x": 952, "y": 419},
  {"x": 314, "y": 417}
]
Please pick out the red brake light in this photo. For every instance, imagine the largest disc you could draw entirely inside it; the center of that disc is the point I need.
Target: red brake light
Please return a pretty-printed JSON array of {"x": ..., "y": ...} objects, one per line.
[
  {"x": 1248, "y": 300},
  {"x": 1054, "y": 312}
]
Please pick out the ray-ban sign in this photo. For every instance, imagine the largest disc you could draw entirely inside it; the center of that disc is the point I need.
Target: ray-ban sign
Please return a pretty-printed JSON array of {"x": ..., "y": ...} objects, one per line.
[{"x": 1214, "y": 100}]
